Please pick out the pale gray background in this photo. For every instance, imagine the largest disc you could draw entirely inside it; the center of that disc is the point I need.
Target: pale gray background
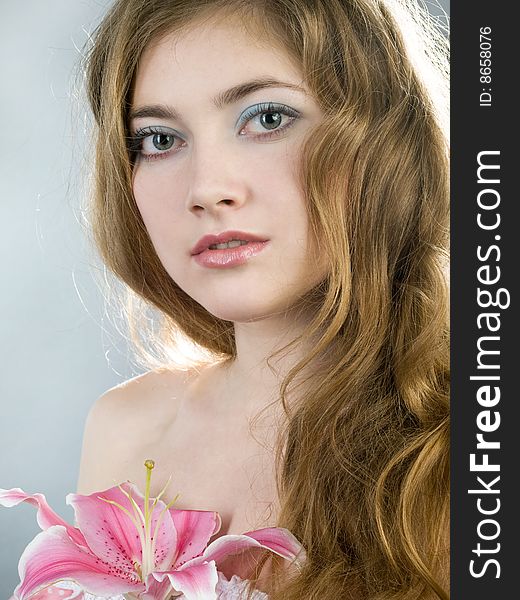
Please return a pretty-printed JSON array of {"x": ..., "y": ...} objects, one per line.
[{"x": 58, "y": 352}]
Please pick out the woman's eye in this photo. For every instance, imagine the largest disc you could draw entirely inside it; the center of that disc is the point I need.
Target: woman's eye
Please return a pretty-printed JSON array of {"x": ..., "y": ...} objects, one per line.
[
  {"x": 162, "y": 141},
  {"x": 267, "y": 119},
  {"x": 150, "y": 143},
  {"x": 271, "y": 120}
]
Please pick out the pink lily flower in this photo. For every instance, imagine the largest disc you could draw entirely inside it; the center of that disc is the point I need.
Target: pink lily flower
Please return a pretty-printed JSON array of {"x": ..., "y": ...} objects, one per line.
[{"x": 127, "y": 543}]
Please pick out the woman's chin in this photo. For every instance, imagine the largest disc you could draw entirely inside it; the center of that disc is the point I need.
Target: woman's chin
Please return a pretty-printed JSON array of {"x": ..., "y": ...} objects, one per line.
[
  {"x": 253, "y": 305},
  {"x": 241, "y": 312},
  {"x": 240, "y": 315}
]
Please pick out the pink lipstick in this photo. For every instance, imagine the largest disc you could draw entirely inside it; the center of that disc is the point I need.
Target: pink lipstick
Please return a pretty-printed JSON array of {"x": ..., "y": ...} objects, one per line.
[{"x": 227, "y": 249}]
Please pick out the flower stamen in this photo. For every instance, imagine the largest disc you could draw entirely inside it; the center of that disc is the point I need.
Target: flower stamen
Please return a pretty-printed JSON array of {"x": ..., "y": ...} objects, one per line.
[
  {"x": 137, "y": 511},
  {"x": 162, "y": 491},
  {"x": 160, "y": 519}
]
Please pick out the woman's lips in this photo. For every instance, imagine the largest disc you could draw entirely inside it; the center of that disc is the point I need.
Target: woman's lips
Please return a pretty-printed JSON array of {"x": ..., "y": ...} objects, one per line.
[
  {"x": 229, "y": 257},
  {"x": 222, "y": 258}
]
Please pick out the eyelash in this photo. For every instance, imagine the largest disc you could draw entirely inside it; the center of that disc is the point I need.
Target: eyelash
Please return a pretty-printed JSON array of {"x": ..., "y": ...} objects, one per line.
[{"x": 135, "y": 142}]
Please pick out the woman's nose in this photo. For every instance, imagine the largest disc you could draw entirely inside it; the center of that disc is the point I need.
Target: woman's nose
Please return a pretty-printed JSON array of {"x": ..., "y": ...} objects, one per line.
[{"x": 217, "y": 181}]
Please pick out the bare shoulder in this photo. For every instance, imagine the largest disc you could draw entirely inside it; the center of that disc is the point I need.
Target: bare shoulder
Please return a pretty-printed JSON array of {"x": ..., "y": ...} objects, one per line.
[{"x": 122, "y": 419}]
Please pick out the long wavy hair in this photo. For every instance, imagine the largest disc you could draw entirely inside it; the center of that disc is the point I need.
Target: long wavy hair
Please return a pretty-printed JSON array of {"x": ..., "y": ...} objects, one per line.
[{"x": 363, "y": 463}]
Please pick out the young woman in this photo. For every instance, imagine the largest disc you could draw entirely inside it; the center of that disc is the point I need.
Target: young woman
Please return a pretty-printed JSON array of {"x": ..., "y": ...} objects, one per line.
[{"x": 271, "y": 178}]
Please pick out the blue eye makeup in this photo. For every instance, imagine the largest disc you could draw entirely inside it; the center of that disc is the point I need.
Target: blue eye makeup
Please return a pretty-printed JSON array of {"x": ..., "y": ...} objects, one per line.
[{"x": 267, "y": 119}]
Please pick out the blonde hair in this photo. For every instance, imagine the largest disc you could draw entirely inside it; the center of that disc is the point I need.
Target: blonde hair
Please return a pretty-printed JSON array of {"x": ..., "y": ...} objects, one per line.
[{"x": 363, "y": 463}]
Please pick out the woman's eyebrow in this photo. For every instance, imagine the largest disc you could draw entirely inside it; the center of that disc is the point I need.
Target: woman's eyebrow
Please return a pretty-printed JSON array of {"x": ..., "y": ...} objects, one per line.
[
  {"x": 230, "y": 96},
  {"x": 237, "y": 92}
]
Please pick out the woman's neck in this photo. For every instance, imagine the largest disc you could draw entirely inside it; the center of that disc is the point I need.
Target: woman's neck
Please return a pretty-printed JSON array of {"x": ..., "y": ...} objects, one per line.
[{"x": 252, "y": 370}]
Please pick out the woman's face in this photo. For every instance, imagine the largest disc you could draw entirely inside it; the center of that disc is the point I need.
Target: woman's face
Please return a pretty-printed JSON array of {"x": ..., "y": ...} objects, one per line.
[{"x": 218, "y": 119}]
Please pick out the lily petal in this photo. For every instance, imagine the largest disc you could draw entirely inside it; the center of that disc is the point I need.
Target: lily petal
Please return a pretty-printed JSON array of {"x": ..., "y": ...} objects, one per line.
[
  {"x": 45, "y": 516},
  {"x": 278, "y": 540},
  {"x": 110, "y": 532},
  {"x": 194, "y": 529},
  {"x": 52, "y": 556},
  {"x": 196, "y": 582},
  {"x": 157, "y": 588}
]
